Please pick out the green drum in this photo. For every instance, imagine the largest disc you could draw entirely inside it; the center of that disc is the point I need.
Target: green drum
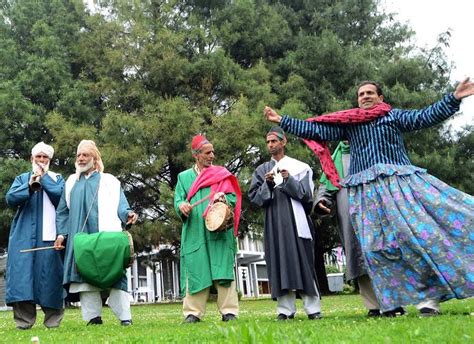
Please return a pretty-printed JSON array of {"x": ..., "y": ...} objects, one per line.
[{"x": 102, "y": 257}]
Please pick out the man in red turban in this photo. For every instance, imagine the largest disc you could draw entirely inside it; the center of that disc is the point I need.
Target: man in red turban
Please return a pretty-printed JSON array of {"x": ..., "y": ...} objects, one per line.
[{"x": 207, "y": 258}]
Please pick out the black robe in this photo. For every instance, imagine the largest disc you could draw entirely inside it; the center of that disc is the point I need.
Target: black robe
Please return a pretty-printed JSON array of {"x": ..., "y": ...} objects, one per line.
[{"x": 289, "y": 258}]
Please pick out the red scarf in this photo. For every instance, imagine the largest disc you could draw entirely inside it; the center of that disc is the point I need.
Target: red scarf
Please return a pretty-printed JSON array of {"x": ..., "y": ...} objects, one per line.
[
  {"x": 220, "y": 180},
  {"x": 351, "y": 116}
]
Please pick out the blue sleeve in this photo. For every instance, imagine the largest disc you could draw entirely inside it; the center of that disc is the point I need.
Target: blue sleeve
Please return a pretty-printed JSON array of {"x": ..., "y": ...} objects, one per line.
[
  {"x": 19, "y": 192},
  {"x": 53, "y": 188},
  {"x": 410, "y": 120},
  {"x": 312, "y": 130},
  {"x": 123, "y": 208},
  {"x": 62, "y": 216}
]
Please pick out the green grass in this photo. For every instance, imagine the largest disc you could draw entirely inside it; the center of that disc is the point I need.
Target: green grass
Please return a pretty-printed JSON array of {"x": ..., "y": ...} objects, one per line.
[{"x": 344, "y": 322}]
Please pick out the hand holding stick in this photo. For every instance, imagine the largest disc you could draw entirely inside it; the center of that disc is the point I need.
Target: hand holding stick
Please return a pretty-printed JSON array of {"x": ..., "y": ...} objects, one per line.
[{"x": 186, "y": 208}]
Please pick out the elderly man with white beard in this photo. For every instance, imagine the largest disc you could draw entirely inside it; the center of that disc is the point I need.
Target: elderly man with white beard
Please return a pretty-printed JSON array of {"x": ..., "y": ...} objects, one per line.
[
  {"x": 92, "y": 201},
  {"x": 34, "y": 278}
]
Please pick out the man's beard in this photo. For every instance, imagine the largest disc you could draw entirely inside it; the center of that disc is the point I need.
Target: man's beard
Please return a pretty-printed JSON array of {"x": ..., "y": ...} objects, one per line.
[
  {"x": 85, "y": 168},
  {"x": 37, "y": 166},
  {"x": 275, "y": 151}
]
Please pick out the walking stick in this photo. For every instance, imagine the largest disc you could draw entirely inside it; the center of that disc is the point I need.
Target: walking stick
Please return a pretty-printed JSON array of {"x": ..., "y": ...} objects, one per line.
[{"x": 41, "y": 249}]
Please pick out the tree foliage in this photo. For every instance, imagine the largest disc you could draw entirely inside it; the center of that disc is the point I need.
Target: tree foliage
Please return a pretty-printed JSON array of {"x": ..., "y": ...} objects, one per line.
[{"x": 142, "y": 77}]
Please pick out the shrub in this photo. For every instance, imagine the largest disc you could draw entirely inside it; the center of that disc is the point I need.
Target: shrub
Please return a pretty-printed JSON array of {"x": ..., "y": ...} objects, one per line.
[{"x": 331, "y": 269}]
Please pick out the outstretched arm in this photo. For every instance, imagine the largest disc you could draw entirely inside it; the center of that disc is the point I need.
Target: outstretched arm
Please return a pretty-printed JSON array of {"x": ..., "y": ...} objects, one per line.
[
  {"x": 410, "y": 120},
  {"x": 271, "y": 115},
  {"x": 305, "y": 129},
  {"x": 464, "y": 89}
]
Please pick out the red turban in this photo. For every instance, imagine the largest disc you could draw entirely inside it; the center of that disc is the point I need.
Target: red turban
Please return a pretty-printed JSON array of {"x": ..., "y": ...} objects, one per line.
[{"x": 197, "y": 142}]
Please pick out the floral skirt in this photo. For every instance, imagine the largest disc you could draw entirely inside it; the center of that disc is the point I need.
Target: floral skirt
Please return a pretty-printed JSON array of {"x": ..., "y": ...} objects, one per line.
[{"x": 417, "y": 235}]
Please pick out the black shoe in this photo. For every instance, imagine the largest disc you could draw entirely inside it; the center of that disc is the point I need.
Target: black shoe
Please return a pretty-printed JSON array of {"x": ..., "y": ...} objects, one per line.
[
  {"x": 315, "y": 316},
  {"x": 373, "y": 313},
  {"x": 400, "y": 311},
  {"x": 125, "y": 322},
  {"x": 394, "y": 312},
  {"x": 190, "y": 319},
  {"x": 229, "y": 317},
  {"x": 429, "y": 312},
  {"x": 282, "y": 316},
  {"x": 23, "y": 327},
  {"x": 95, "y": 321}
]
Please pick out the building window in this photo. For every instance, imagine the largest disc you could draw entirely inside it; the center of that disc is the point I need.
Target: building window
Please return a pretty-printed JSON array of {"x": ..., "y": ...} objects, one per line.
[
  {"x": 262, "y": 272},
  {"x": 264, "y": 287},
  {"x": 142, "y": 281}
]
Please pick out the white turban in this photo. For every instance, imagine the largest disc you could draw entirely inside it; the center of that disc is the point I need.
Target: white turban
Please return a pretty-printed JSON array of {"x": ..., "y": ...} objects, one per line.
[
  {"x": 90, "y": 146},
  {"x": 42, "y": 147}
]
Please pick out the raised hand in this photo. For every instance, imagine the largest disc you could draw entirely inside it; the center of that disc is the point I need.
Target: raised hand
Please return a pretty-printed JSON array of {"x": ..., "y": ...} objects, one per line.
[
  {"x": 284, "y": 173},
  {"x": 271, "y": 115},
  {"x": 464, "y": 89},
  {"x": 270, "y": 176},
  {"x": 39, "y": 170}
]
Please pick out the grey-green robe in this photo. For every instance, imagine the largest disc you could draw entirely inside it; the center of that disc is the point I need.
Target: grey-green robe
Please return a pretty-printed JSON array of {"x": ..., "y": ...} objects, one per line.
[{"x": 70, "y": 221}]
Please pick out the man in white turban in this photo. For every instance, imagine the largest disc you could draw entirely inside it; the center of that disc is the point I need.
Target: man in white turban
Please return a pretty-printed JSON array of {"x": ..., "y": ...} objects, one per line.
[
  {"x": 92, "y": 202},
  {"x": 35, "y": 278}
]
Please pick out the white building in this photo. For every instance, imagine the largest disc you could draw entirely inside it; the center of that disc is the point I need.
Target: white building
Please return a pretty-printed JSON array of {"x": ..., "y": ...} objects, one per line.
[
  {"x": 154, "y": 275},
  {"x": 251, "y": 270}
]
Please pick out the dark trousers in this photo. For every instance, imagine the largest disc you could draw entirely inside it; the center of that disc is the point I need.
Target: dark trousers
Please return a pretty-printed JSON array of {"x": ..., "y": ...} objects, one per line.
[{"x": 24, "y": 314}]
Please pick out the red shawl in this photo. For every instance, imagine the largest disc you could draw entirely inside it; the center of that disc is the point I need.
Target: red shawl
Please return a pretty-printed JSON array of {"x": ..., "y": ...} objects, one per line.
[
  {"x": 220, "y": 180},
  {"x": 351, "y": 116}
]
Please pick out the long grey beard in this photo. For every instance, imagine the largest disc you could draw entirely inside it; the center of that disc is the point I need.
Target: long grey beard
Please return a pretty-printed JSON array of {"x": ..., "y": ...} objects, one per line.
[{"x": 85, "y": 168}]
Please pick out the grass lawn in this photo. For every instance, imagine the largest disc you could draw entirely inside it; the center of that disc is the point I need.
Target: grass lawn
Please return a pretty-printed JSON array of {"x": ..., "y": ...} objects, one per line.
[{"x": 344, "y": 321}]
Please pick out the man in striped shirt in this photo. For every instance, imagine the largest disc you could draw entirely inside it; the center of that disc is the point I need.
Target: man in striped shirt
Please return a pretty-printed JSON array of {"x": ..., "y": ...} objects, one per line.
[{"x": 415, "y": 231}]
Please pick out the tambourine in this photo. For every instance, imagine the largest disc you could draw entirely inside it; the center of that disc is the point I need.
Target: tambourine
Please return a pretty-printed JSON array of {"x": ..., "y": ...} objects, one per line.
[{"x": 219, "y": 217}]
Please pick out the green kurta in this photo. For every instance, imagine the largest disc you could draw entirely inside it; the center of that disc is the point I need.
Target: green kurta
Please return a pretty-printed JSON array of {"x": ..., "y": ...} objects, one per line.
[{"x": 205, "y": 256}]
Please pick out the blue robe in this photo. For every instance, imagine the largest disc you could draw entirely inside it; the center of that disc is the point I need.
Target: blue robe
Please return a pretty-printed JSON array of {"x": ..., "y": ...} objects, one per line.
[
  {"x": 34, "y": 276},
  {"x": 69, "y": 222}
]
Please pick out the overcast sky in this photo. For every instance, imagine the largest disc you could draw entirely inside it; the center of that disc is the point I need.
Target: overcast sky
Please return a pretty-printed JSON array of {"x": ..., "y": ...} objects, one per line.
[{"x": 429, "y": 18}]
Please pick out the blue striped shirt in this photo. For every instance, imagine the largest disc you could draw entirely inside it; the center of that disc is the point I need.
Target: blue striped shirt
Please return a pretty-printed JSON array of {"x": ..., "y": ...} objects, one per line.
[{"x": 379, "y": 141}]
